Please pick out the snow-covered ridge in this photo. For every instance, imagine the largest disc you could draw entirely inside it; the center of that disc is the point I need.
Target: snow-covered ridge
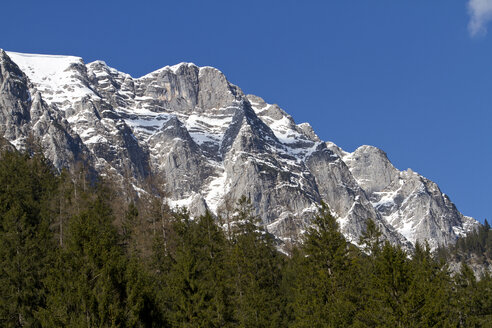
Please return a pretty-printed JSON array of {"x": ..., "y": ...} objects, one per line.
[{"x": 57, "y": 77}]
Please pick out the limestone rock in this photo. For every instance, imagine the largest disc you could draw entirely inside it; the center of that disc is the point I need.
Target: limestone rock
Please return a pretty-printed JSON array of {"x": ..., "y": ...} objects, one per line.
[{"x": 211, "y": 144}]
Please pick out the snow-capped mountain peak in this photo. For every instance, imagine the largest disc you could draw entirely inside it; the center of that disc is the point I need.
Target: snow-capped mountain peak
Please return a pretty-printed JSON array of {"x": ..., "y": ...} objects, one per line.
[{"x": 213, "y": 144}]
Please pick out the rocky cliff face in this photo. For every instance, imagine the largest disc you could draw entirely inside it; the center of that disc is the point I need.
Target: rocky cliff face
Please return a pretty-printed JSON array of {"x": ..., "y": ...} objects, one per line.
[{"x": 212, "y": 144}]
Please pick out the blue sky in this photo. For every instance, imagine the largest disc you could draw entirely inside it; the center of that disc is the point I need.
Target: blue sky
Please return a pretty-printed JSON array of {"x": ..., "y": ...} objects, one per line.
[{"x": 411, "y": 77}]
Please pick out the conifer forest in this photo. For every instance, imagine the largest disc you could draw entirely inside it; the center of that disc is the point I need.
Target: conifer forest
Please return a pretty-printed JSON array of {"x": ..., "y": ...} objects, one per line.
[{"x": 75, "y": 251}]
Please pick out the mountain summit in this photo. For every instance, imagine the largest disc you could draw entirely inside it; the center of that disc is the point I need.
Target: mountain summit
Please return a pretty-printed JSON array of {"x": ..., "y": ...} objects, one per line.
[{"x": 213, "y": 144}]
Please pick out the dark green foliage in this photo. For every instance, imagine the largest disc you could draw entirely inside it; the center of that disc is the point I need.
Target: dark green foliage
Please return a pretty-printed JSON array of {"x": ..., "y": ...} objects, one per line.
[
  {"x": 93, "y": 283},
  {"x": 429, "y": 295},
  {"x": 197, "y": 295},
  {"x": 255, "y": 271},
  {"x": 76, "y": 254},
  {"x": 371, "y": 238},
  {"x": 473, "y": 299},
  {"x": 25, "y": 240},
  {"x": 322, "y": 285},
  {"x": 87, "y": 282}
]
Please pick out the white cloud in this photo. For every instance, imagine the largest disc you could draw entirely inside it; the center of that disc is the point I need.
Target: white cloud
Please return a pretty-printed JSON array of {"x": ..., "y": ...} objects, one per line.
[{"x": 480, "y": 14}]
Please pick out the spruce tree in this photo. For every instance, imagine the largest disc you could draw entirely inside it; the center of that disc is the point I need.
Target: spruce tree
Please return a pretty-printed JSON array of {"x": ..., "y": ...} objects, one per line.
[
  {"x": 26, "y": 243},
  {"x": 92, "y": 282},
  {"x": 255, "y": 267},
  {"x": 429, "y": 296},
  {"x": 196, "y": 290},
  {"x": 321, "y": 285},
  {"x": 392, "y": 280}
]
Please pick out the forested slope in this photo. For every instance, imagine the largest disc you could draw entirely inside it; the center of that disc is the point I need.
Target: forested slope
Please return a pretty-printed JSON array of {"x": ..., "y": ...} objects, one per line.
[{"x": 76, "y": 253}]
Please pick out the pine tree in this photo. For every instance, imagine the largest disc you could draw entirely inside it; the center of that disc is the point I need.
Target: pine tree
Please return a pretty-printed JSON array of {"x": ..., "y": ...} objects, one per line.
[
  {"x": 26, "y": 243},
  {"x": 322, "y": 293},
  {"x": 92, "y": 282},
  {"x": 196, "y": 292},
  {"x": 255, "y": 267},
  {"x": 393, "y": 281},
  {"x": 474, "y": 298},
  {"x": 370, "y": 239},
  {"x": 142, "y": 306},
  {"x": 429, "y": 295},
  {"x": 85, "y": 285}
]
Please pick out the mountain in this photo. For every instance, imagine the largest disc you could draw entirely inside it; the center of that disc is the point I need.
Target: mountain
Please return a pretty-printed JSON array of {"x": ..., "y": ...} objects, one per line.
[{"x": 213, "y": 144}]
